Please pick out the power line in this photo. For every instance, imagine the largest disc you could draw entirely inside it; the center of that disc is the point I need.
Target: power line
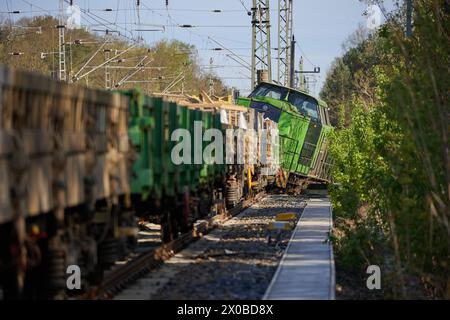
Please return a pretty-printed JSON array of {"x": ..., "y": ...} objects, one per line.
[
  {"x": 245, "y": 7},
  {"x": 9, "y": 14},
  {"x": 304, "y": 55},
  {"x": 177, "y": 10},
  {"x": 12, "y": 11},
  {"x": 33, "y": 5},
  {"x": 214, "y": 11},
  {"x": 93, "y": 19},
  {"x": 176, "y": 25},
  {"x": 204, "y": 37}
]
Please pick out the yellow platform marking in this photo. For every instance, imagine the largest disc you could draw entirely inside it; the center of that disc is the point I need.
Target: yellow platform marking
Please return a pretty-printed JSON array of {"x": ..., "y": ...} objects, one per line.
[{"x": 288, "y": 216}]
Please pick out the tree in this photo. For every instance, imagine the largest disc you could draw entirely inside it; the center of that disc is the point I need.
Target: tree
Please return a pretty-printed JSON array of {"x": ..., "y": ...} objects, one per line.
[{"x": 392, "y": 159}]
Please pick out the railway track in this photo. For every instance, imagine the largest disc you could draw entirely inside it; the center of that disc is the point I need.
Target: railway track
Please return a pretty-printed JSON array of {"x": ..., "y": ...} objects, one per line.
[
  {"x": 233, "y": 261},
  {"x": 137, "y": 266}
]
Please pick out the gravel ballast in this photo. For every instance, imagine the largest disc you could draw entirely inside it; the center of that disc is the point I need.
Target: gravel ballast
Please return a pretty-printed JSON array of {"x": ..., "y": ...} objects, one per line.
[{"x": 234, "y": 261}]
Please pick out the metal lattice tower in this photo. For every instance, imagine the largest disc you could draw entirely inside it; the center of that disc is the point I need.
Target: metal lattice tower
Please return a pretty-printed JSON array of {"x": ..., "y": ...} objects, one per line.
[
  {"x": 261, "y": 58},
  {"x": 285, "y": 15},
  {"x": 211, "y": 82},
  {"x": 108, "y": 85},
  {"x": 61, "y": 43}
]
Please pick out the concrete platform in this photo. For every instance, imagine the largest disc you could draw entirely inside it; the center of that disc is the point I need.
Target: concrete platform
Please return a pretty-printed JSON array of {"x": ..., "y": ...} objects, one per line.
[{"x": 306, "y": 271}]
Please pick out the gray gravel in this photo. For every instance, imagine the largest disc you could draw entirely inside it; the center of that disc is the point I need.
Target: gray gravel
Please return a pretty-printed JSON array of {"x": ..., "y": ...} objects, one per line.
[{"x": 233, "y": 261}]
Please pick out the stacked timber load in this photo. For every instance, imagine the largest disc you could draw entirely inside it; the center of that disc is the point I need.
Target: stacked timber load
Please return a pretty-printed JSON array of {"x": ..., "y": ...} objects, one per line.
[
  {"x": 255, "y": 138},
  {"x": 259, "y": 133}
]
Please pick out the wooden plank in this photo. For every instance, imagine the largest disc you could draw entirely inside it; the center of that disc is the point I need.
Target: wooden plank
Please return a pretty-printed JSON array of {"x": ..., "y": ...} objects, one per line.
[{"x": 306, "y": 270}]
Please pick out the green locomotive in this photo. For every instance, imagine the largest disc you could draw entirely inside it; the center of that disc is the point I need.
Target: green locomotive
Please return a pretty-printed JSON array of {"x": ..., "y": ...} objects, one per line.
[{"x": 303, "y": 124}]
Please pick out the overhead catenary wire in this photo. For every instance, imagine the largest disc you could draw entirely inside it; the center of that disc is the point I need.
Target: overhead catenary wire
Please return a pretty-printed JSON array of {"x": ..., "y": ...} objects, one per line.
[
  {"x": 245, "y": 7},
  {"x": 213, "y": 11},
  {"x": 9, "y": 14},
  {"x": 104, "y": 63},
  {"x": 40, "y": 8},
  {"x": 91, "y": 58},
  {"x": 304, "y": 55},
  {"x": 176, "y": 10},
  {"x": 123, "y": 30},
  {"x": 171, "y": 25},
  {"x": 204, "y": 37}
]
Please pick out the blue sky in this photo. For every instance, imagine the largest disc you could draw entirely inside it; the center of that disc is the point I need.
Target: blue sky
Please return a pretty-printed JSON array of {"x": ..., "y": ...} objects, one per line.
[{"x": 320, "y": 27}]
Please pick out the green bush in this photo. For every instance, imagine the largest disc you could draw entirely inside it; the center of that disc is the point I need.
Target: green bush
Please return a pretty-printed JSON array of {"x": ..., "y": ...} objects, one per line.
[{"x": 392, "y": 163}]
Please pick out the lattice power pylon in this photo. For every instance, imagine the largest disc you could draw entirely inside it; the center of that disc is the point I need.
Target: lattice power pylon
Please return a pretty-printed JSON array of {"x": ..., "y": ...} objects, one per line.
[
  {"x": 285, "y": 15},
  {"x": 261, "y": 58},
  {"x": 61, "y": 43},
  {"x": 108, "y": 85}
]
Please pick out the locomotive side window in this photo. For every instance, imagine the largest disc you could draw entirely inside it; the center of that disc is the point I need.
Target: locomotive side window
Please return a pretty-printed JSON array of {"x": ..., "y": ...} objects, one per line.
[{"x": 304, "y": 104}]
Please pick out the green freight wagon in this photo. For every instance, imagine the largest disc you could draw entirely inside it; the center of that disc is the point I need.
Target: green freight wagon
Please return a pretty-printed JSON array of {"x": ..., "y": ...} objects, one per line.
[{"x": 159, "y": 187}]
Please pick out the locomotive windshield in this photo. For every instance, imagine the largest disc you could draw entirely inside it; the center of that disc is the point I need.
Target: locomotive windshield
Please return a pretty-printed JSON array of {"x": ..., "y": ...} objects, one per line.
[
  {"x": 270, "y": 91},
  {"x": 305, "y": 104}
]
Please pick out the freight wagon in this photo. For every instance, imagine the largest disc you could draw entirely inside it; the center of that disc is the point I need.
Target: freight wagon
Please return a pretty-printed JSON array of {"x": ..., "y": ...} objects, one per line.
[{"x": 79, "y": 166}]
